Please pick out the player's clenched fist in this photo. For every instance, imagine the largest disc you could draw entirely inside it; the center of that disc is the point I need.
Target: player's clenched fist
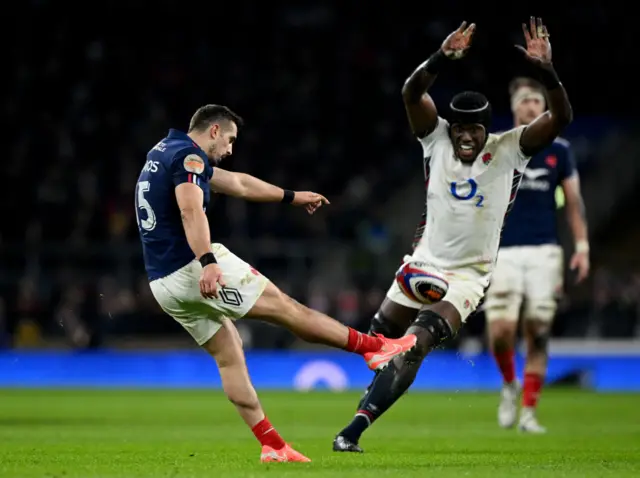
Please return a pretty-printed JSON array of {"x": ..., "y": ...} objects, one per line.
[
  {"x": 311, "y": 201},
  {"x": 209, "y": 280}
]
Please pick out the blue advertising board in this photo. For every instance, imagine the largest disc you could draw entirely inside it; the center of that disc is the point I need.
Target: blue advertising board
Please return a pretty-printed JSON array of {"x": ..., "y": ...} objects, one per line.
[{"x": 289, "y": 370}]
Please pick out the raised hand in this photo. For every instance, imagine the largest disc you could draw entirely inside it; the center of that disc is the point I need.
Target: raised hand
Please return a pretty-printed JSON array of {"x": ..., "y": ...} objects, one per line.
[
  {"x": 455, "y": 46},
  {"x": 538, "y": 47}
]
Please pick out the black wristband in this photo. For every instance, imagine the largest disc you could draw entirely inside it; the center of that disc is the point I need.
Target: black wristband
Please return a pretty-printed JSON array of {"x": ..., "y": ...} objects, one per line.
[
  {"x": 436, "y": 62},
  {"x": 288, "y": 196},
  {"x": 207, "y": 259},
  {"x": 548, "y": 77}
]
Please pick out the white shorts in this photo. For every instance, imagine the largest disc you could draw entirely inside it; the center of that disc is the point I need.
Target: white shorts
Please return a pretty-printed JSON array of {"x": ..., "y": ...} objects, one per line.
[
  {"x": 179, "y": 294},
  {"x": 525, "y": 275},
  {"x": 466, "y": 289}
]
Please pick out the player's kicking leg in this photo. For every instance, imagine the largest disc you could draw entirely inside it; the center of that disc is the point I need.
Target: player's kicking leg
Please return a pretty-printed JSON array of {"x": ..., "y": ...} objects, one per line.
[
  {"x": 433, "y": 325},
  {"x": 250, "y": 294},
  {"x": 312, "y": 326},
  {"x": 502, "y": 310},
  {"x": 226, "y": 348},
  {"x": 542, "y": 282}
]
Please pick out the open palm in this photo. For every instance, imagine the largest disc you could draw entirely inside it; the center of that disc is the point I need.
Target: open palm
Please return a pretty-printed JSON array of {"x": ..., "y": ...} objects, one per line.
[
  {"x": 458, "y": 42},
  {"x": 538, "y": 47}
]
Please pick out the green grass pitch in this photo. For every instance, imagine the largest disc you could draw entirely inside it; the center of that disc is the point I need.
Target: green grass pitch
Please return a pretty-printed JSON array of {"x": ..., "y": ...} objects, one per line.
[{"x": 130, "y": 434}]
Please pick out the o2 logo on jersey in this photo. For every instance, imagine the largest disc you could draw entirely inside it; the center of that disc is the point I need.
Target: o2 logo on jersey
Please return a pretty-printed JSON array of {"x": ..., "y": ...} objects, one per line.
[{"x": 467, "y": 190}]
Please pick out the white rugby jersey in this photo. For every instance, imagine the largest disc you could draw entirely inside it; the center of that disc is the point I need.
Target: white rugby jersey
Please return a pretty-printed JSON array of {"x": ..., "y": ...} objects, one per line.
[{"x": 466, "y": 204}]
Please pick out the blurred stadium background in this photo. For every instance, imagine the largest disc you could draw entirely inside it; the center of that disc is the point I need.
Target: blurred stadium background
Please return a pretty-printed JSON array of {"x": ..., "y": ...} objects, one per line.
[{"x": 318, "y": 85}]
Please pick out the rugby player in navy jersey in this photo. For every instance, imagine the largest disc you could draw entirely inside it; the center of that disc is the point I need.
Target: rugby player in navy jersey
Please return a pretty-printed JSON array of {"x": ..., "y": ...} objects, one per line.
[
  {"x": 529, "y": 270},
  {"x": 204, "y": 286}
]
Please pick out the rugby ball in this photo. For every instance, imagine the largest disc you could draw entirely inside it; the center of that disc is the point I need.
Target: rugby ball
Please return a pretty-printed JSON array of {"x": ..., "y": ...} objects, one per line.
[{"x": 419, "y": 283}]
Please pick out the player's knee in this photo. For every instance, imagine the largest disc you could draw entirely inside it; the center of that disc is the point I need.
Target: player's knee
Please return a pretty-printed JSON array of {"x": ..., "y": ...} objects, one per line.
[
  {"x": 538, "y": 333},
  {"x": 249, "y": 402},
  {"x": 502, "y": 306},
  {"x": 540, "y": 342},
  {"x": 540, "y": 310},
  {"x": 295, "y": 314},
  {"x": 502, "y": 331},
  {"x": 436, "y": 330},
  {"x": 229, "y": 358},
  {"x": 384, "y": 326}
]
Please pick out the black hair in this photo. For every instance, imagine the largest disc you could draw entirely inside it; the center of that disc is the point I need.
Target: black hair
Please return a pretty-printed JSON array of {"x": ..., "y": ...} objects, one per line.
[{"x": 205, "y": 115}]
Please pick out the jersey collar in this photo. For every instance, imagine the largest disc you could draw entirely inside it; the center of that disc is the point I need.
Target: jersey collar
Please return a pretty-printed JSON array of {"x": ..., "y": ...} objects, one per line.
[{"x": 177, "y": 134}]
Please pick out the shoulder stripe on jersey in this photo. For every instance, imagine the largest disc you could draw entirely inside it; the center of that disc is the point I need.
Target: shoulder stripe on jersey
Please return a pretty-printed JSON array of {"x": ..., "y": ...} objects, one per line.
[{"x": 423, "y": 219}]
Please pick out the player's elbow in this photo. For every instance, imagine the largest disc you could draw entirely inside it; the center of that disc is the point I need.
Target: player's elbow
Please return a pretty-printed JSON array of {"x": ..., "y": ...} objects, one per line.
[
  {"x": 410, "y": 94},
  {"x": 574, "y": 206},
  {"x": 191, "y": 214},
  {"x": 405, "y": 89},
  {"x": 240, "y": 187},
  {"x": 563, "y": 117},
  {"x": 230, "y": 184}
]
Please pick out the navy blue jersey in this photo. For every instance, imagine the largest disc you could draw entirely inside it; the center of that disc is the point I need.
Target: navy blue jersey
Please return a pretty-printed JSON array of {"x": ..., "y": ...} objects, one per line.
[
  {"x": 173, "y": 161},
  {"x": 532, "y": 221}
]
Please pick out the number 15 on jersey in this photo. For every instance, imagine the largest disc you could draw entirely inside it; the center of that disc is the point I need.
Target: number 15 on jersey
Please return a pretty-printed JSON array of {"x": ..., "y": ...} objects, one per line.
[{"x": 149, "y": 223}]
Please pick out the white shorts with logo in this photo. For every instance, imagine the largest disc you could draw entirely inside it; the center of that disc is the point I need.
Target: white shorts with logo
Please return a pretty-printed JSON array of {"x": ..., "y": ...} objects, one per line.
[
  {"x": 179, "y": 294},
  {"x": 526, "y": 275},
  {"x": 466, "y": 289}
]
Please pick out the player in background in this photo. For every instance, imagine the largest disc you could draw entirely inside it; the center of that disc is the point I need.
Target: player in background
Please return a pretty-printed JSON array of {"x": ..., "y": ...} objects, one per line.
[
  {"x": 204, "y": 286},
  {"x": 529, "y": 270},
  {"x": 471, "y": 180}
]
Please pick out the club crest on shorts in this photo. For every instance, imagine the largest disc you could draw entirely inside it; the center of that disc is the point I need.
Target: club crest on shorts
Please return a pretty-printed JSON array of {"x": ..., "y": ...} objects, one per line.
[{"x": 194, "y": 164}]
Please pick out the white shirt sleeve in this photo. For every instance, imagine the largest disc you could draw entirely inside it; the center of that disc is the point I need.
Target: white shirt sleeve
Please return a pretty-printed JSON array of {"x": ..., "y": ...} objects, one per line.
[
  {"x": 509, "y": 144},
  {"x": 440, "y": 132}
]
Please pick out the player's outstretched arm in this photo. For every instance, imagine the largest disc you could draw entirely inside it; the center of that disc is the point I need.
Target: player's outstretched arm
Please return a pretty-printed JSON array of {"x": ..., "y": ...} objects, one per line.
[
  {"x": 421, "y": 110},
  {"x": 540, "y": 133},
  {"x": 253, "y": 189}
]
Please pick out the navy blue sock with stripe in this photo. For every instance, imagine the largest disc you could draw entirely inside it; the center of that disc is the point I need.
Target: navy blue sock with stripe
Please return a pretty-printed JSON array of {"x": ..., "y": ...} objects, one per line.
[{"x": 388, "y": 386}]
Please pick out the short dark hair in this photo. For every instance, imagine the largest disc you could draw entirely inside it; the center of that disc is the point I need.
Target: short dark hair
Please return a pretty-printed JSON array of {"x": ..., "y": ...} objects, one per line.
[
  {"x": 205, "y": 115},
  {"x": 526, "y": 82}
]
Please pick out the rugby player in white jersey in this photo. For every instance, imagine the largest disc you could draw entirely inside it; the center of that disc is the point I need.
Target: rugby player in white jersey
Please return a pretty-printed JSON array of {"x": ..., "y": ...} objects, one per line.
[
  {"x": 529, "y": 272},
  {"x": 471, "y": 179}
]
